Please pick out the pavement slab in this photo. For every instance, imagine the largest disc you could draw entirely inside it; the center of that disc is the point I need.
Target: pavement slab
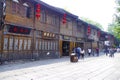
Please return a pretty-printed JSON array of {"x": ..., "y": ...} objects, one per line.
[{"x": 91, "y": 68}]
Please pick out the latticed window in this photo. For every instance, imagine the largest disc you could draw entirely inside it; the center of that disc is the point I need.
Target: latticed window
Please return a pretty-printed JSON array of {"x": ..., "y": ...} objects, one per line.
[
  {"x": 29, "y": 44},
  {"x": 53, "y": 20},
  {"x": 43, "y": 17},
  {"x": 15, "y": 6},
  {"x": 23, "y": 10},
  {"x": 26, "y": 10}
]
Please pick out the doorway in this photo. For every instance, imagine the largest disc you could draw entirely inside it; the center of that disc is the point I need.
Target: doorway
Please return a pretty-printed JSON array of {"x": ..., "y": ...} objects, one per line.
[{"x": 65, "y": 48}]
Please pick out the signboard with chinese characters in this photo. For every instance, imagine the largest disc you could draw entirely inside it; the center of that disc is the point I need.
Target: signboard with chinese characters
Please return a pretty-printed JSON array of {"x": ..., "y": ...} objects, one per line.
[
  {"x": 49, "y": 35},
  {"x": 66, "y": 37},
  {"x": 19, "y": 29}
]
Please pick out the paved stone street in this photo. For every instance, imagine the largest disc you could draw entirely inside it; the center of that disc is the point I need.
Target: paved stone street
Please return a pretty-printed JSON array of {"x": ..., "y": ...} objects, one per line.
[{"x": 91, "y": 68}]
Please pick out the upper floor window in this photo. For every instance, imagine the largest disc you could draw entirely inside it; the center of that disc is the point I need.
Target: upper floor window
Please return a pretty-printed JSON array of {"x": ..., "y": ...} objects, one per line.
[
  {"x": 15, "y": 6},
  {"x": 54, "y": 20},
  {"x": 43, "y": 17},
  {"x": 18, "y": 8},
  {"x": 26, "y": 10}
]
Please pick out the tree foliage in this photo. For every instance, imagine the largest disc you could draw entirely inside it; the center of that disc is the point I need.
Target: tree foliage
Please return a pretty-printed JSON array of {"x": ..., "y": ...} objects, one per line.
[{"x": 114, "y": 28}]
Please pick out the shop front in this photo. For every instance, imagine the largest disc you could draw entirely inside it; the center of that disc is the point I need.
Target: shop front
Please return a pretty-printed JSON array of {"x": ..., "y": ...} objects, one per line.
[
  {"x": 16, "y": 41},
  {"x": 47, "y": 46},
  {"x": 66, "y": 45}
]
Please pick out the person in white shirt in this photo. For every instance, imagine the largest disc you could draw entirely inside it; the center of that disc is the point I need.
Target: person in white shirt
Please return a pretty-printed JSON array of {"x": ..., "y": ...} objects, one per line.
[
  {"x": 89, "y": 51},
  {"x": 82, "y": 53}
]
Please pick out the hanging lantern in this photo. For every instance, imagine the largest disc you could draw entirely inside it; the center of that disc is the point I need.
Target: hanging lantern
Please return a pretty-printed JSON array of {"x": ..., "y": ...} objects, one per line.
[
  {"x": 38, "y": 10},
  {"x": 64, "y": 19},
  {"x": 37, "y": 16},
  {"x": 88, "y": 30},
  {"x": 98, "y": 33}
]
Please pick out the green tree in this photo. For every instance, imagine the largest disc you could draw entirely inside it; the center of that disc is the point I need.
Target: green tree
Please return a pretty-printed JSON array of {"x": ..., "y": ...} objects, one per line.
[
  {"x": 114, "y": 28},
  {"x": 92, "y": 22}
]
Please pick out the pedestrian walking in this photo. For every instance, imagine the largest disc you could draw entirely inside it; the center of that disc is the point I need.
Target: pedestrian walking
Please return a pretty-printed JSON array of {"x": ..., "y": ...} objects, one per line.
[
  {"x": 75, "y": 50},
  {"x": 97, "y": 51},
  {"x": 78, "y": 52},
  {"x": 106, "y": 51},
  {"x": 89, "y": 51},
  {"x": 112, "y": 51},
  {"x": 93, "y": 52},
  {"x": 82, "y": 53}
]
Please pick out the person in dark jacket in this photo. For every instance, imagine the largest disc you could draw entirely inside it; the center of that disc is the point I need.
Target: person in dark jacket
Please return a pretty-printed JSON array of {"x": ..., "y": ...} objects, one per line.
[
  {"x": 97, "y": 51},
  {"x": 78, "y": 52},
  {"x": 106, "y": 51}
]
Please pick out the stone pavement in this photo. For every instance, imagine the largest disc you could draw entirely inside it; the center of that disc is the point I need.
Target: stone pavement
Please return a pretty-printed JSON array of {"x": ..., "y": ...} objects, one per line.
[{"x": 91, "y": 68}]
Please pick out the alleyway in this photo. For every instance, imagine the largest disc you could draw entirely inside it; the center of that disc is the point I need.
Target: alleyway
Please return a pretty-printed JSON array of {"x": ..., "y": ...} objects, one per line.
[{"x": 92, "y": 68}]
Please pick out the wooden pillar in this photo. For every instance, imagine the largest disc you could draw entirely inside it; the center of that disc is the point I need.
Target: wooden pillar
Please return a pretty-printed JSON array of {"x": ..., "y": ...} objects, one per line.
[{"x": 60, "y": 47}]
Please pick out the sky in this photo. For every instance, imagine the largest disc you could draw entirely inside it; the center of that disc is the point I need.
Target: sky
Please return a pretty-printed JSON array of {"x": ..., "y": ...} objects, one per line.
[{"x": 100, "y": 11}]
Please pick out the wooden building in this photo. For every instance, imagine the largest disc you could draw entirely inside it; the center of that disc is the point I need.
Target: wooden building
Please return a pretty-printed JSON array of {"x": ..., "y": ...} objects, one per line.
[
  {"x": 81, "y": 34},
  {"x": 18, "y": 30},
  {"x": 46, "y": 37},
  {"x": 67, "y": 35},
  {"x": 26, "y": 36},
  {"x": 35, "y": 30},
  {"x": 93, "y": 35}
]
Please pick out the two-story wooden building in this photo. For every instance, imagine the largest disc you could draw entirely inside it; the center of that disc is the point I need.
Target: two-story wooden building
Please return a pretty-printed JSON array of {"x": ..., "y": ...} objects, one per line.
[
  {"x": 28, "y": 36},
  {"x": 81, "y": 34},
  {"x": 68, "y": 26},
  {"x": 17, "y": 33},
  {"x": 35, "y": 30},
  {"x": 93, "y": 35}
]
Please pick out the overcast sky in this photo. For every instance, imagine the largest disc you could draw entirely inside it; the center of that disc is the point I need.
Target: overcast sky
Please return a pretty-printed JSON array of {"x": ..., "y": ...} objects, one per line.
[{"x": 100, "y": 11}]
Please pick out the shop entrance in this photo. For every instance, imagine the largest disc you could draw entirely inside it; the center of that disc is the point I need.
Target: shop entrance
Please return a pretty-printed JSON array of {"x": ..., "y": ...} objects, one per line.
[{"x": 65, "y": 48}]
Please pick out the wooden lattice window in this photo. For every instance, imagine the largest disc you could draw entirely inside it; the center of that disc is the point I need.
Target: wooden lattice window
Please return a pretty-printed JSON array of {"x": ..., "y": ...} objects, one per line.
[
  {"x": 43, "y": 17},
  {"x": 26, "y": 10},
  {"x": 15, "y": 6}
]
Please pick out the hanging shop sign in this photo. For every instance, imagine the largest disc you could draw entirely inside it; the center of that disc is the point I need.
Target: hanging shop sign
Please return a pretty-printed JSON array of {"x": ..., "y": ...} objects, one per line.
[
  {"x": 78, "y": 39},
  {"x": 19, "y": 29},
  {"x": 66, "y": 37},
  {"x": 49, "y": 35}
]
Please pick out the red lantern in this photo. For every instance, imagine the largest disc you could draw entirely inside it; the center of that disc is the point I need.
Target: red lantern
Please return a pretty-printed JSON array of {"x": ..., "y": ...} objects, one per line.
[
  {"x": 64, "y": 19},
  {"x": 38, "y": 6},
  {"x": 88, "y": 30},
  {"x": 98, "y": 33},
  {"x": 37, "y": 16},
  {"x": 38, "y": 10}
]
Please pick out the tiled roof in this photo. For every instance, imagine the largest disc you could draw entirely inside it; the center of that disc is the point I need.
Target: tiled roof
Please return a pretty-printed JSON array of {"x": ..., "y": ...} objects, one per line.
[{"x": 59, "y": 10}]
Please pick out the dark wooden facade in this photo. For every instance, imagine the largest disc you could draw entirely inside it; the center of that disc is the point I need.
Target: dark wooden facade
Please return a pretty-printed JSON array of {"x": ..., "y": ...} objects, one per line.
[{"x": 26, "y": 37}]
